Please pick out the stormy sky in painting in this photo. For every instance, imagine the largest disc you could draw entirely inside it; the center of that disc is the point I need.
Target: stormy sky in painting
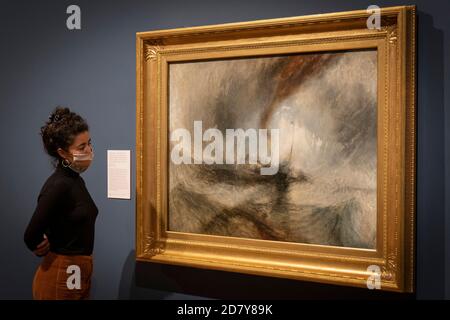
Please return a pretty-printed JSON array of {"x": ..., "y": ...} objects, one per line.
[{"x": 325, "y": 107}]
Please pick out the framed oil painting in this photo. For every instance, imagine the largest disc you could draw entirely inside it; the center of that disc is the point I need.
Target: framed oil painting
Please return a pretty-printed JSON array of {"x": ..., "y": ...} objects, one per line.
[{"x": 282, "y": 147}]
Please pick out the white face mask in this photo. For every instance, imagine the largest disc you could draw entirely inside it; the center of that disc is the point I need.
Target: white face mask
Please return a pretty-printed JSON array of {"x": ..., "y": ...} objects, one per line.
[{"x": 81, "y": 161}]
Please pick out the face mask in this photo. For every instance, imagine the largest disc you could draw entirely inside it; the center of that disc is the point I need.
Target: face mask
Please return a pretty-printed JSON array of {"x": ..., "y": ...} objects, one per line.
[{"x": 81, "y": 161}]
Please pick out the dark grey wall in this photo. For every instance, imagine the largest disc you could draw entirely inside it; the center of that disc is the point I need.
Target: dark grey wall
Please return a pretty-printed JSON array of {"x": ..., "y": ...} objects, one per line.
[{"x": 43, "y": 64}]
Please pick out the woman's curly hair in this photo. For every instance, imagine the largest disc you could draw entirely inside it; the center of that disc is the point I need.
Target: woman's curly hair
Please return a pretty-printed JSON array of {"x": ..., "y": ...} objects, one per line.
[{"x": 60, "y": 131}]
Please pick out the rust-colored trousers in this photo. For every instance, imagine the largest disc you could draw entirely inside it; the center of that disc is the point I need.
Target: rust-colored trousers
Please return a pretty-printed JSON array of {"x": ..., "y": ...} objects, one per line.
[{"x": 63, "y": 277}]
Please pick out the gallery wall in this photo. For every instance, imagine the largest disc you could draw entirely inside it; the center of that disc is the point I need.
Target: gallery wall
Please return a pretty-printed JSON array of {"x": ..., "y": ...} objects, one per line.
[{"x": 92, "y": 70}]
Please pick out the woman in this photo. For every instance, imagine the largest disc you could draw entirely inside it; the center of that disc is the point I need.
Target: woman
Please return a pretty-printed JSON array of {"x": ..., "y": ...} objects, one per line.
[{"x": 62, "y": 227}]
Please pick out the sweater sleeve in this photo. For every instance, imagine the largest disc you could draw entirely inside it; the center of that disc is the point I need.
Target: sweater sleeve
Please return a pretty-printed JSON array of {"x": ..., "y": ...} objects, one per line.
[{"x": 48, "y": 201}]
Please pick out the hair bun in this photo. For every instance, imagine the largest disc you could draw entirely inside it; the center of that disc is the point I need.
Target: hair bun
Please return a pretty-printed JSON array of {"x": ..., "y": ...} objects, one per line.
[{"x": 58, "y": 114}]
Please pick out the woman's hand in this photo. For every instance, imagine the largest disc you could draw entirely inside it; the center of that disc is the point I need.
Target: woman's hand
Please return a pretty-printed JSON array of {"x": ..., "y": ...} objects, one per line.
[{"x": 42, "y": 248}]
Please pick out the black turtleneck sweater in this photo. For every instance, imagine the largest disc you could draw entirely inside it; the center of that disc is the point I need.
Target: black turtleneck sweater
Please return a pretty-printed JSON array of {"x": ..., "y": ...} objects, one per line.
[{"x": 65, "y": 213}]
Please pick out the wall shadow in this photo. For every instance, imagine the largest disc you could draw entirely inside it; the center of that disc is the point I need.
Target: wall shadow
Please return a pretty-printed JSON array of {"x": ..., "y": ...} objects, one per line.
[
  {"x": 145, "y": 280},
  {"x": 430, "y": 239}
]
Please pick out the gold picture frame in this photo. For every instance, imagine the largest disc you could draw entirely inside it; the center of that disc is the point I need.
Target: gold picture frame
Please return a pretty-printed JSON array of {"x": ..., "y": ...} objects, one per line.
[{"x": 396, "y": 147}]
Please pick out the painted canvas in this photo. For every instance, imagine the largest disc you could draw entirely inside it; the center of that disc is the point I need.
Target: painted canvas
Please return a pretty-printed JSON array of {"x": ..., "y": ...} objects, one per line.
[{"x": 324, "y": 188}]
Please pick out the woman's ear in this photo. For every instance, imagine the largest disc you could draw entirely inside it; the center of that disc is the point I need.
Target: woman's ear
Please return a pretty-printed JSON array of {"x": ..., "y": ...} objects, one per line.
[{"x": 62, "y": 153}]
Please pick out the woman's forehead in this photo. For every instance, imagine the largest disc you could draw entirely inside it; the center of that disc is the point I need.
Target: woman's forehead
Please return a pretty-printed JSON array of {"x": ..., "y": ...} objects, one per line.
[{"x": 81, "y": 138}]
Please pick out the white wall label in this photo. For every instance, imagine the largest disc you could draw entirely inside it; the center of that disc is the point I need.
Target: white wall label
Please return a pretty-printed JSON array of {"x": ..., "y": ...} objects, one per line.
[{"x": 119, "y": 174}]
